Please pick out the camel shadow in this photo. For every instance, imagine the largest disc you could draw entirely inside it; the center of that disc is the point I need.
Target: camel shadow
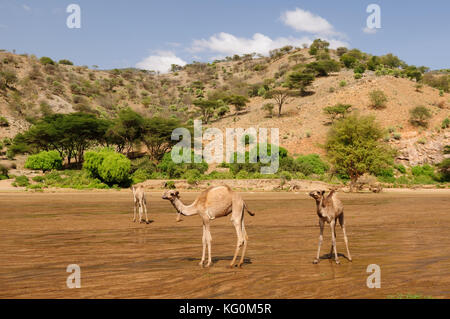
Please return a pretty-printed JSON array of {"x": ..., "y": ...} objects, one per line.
[
  {"x": 331, "y": 256},
  {"x": 247, "y": 260},
  {"x": 149, "y": 222}
]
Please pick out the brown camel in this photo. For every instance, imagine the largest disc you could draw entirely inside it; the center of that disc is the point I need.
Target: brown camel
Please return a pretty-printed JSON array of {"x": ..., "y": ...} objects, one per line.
[
  {"x": 212, "y": 203},
  {"x": 140, "y": 202},
  {"x": 329, "y": 210}
]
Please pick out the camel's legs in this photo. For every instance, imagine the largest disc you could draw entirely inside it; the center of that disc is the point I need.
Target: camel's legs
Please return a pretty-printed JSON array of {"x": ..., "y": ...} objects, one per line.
[
  {"x": 245, "y": 237},
  {"x": 140, "y": 212},
  {"x": 208, "y": 241},
  {"x": 145, "y": 208},
  {"x": 240, "y": 240},
  {"x": 204, "y": 246},
  {"x": 331, "y": 249},
  {"x": 321, "y": 224},
  {"x": 341, "y": 221},
  {"x": 333, "y": 239},
  {"x": 134, "y": 216},
  {"x": 179, "y": 217}
]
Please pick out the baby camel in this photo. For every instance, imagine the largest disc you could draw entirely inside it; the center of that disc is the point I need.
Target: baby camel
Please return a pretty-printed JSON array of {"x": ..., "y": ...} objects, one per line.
[
  {"x": 215, "y": 202},
  {"x": 329, "y": 210},
  {"x": 140, "y": 202}
]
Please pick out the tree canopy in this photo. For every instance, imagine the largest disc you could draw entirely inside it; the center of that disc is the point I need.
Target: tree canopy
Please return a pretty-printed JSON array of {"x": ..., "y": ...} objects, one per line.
[{"x": 354, "y": 146}]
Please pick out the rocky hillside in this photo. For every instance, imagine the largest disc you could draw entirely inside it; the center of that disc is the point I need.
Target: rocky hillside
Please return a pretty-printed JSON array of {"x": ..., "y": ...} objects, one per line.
[{"x": 31, "y": 88}]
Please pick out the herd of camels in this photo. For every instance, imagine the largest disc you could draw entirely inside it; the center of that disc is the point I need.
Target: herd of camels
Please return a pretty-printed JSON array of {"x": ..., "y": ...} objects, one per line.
[{"x": 221, "y": 201}]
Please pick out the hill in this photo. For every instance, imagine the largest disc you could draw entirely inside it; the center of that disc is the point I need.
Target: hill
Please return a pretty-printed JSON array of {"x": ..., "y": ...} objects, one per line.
[{"x": 32, "y": 88}]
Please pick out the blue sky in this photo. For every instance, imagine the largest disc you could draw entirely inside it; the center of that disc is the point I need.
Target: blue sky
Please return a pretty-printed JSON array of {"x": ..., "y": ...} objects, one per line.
[{"x": 152, "y": 34}]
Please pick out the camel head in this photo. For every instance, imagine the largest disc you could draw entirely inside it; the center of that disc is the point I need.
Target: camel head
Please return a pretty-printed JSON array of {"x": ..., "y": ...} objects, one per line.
[
  {"x": 317, "y": 194},
  {"x": 171, "y": 194}
]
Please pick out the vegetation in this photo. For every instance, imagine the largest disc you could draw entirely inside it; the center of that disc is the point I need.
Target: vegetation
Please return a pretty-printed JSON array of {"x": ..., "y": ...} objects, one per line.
[
  {"x": 378, "y": 99},
  {"x": 337, "y": 111},
  {"x": 108, "y": 166},
  {"x": 44, "y": 161},
  {"x": 419, "y": 116},
  {"x": 354, "y": 147}
]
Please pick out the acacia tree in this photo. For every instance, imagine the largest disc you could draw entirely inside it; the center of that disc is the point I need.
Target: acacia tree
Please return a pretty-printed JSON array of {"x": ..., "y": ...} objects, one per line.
[
  {"x": 354, "y": 145},
  {"x": 69, "y": 134},
  {"x": 336, "y": 111},
  {"x": 157, "y": 136},
  {"x": 206, "y": 108},
  {"x": 126, "y": 130},
  {"x": 281, "y": 97},
  {"x": 300, "y": 80},
  {"x": 238, "y": 101}
]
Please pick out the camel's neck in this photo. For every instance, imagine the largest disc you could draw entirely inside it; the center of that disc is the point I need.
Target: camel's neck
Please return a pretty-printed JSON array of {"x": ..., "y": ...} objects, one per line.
[
  {"x": 187, "y": 210},
  {"x": 320, "y": 204}
]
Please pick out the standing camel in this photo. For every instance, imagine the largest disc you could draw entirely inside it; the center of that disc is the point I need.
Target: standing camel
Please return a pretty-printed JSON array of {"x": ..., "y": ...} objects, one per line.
[
  {"x": 329, "y": 210},
  {"x": 140, "y": 202},
  {"x": 212, "y": 203}
]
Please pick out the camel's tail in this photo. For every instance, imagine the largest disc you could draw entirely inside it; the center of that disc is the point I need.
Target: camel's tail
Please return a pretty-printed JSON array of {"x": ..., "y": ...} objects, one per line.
[{"x": 248, "y": 211}]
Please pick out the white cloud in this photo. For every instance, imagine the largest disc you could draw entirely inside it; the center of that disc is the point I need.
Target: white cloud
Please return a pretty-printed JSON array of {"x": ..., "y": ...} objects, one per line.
[
  {"x": 370, "y": 30},
  {"x": 26, "y": 8},
  {"x": 228, "y": 44},
  {"x": 305, "y": 21},
  {"x": 161, "y": 62}
]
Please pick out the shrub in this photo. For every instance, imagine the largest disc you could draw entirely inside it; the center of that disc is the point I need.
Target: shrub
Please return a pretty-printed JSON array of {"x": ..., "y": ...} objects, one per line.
[
  {"x": 3, "y": 172},
  {"x": 400, "y": 168},
  {"x": 445, "y": 123},
  {"x": 424, "y": 170},
  {"x": 419, "y": 116},
  {"x": 3, "y": 121},
  {"x": 44, "y": 161},
  {"x": 378, "y": 99},
  {"x": 21, "y": 181},
  {"x": 192, "y": 176},
  {"x": 109, "y": 166},
  {"x": 46, "y": 60},
  {"x": 66, "y": 62},
  {"x": 342, "y": 84},
  {"x": 311, "y": 164},
  {"x": 38, "y": 179},
  {"x": 444, "y": 169},
  {"x": 169, "y": 185},
  {"x": 286, "y": 176},
  {"x": 358, "y": 76}
]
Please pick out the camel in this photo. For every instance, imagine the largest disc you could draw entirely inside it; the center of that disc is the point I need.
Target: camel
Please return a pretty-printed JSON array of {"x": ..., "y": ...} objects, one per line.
[
  {"x": 212, "y": 203},
  {"x": 330, "y": 209},
  {"x": 140, "y": 202}
]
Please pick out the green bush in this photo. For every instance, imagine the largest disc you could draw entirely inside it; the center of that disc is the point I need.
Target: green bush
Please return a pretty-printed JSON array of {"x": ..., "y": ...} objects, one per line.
[
  {"x": 444, "y": 170},
  {"x": 3, "y": 172},
  {"x": 419, "y": 116},
  {"x": 21, "y": 181},
  {"x": 44, "y": 161},
  {"x": 400, "y": 168},
  {"x": 378, "y": 99},
  {"x": 192, "y": 176},
  {"x": 169, "y": 169},
  {"x": 286, "y": 175},
  {"x": 170, "y": 185},
  {"x": 445, "y": 123},
  {"x": 423, "y": 174},
  {"x": 38, "y": 179},
  {"x": 311, "y": 164},
  {"x": 140, "y": 175},
  {"x": 46, "y": 60},
  {"x": 66, "y": 62},
  {"x": 109, "y": 166}
]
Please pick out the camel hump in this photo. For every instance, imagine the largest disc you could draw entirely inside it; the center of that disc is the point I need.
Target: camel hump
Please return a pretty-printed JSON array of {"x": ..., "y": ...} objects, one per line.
[{"x": 331, "y": 194}]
